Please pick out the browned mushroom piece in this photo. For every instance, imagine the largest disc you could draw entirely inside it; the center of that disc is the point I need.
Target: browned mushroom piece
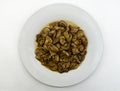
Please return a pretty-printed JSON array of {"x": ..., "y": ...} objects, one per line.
[
  {"x": 56, "y": 58},
  {"x": 81, "y": 48},
  {"x": 83, "y": 52},
  {"x": 52, "y": 53},
  {"x": 52, "y": 66},
  {"x": 84, "y": 41},
  {"x": 53, "y": 48},
  {"x": 73, "y": 65},
  {"x": 46, "y": 30},
  {"x": 41, "y": 41},
  {"x": 58, "y": 45},
  {"x": 75, "y": 50},
  {"x": 73, "y": 45},
  {"x": 53, "y": 24},
  {"x": 74, "y": 38},
  {"x": 38, "y": 37},
  {"x": 76, "y": 42},
  {"x": 51, "y": 33},
  {"x": 74, "y": 30},
  {"x": 80, "y": 34},
  {"x": 62, "y": 24},
  {"x": 66, "y": 35},
  {"x": 65, "y": 53},
  {"x": 70, "y": 38},
  {"x": 62, "y": 40},
  {"x": 56, "y": 40},
  {"x": 48, "y": 40},
  {"x": 61, "y": 46},
  {"x": 60, "y": 69},
  {"x": 66, "y": 46},
  {"x": 58, "y": 33}
]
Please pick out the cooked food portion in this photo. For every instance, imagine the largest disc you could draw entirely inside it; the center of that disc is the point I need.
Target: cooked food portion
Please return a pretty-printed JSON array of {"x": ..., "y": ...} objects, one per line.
[{"x": 61, "y": 46}]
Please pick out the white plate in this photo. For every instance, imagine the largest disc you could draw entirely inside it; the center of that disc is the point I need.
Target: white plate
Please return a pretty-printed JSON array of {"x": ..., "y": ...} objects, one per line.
[{"x": 57, "y": 12}]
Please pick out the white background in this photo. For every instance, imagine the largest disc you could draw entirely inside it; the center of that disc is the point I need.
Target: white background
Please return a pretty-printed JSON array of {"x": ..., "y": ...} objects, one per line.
[{"x": 14, "y": 13}]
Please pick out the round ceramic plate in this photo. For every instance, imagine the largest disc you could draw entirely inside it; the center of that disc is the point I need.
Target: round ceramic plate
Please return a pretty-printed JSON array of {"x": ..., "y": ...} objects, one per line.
[{"x": 49, "y": 14}]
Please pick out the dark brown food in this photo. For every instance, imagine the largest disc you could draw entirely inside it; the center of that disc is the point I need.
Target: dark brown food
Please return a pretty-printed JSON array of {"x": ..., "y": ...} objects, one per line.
[{"x": 61, "y": 46}]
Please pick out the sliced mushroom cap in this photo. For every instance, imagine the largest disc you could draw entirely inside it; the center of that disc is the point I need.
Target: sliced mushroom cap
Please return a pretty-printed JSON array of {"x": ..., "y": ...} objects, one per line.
[
  {"x": 62, "y": 24},
  {"x": 62, "y": 40}
]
